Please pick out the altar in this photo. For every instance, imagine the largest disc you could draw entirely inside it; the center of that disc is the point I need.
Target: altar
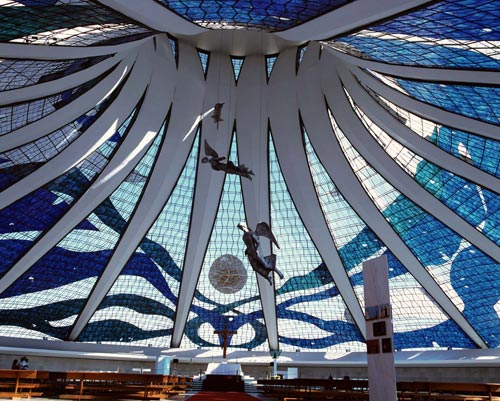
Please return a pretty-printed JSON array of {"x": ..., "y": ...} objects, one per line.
[
  {"x": 224, "y": 376},
  {"x": 224, "y": 368}
]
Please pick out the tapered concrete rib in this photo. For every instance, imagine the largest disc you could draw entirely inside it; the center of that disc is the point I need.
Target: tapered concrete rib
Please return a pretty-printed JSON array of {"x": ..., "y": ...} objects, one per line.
[
  {"x": 58, "y": 85},
  {"x": 428, "y": 111},
  {"x": 154, "y": 16},
  {"x": 160, "y": 91},
  {"x": 352, "y": 16},
  {"x": 23, "y": 51},
  {"x": 373, "y": 153},
  {"x": 209, "y": 184},
  {"x": 119, "y": 167},
  {"x": 283, "y": 112},
  {"x": 404, "y": 135},
  {"x": 334, "y": 161},
  {"x": 103, "y": 128},
  {"x": 316, "y": 122},
  {"x": 251, "y": 125},
  {"x": 69, "y": 112},
  {"x": 430, "y": 74}
]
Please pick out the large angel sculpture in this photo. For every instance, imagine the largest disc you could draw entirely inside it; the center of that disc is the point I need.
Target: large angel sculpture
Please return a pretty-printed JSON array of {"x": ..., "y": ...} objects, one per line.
[
  {"x": 217, "y": 113},
  {"x": 263, "y": 265},
  {"x": 230, "y": 168}
]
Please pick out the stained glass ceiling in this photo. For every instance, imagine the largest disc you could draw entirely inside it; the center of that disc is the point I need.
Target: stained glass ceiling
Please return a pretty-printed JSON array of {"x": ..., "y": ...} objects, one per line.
[
  {"x": 382, "y": 139},
  {"x": 250, "y": 14}
]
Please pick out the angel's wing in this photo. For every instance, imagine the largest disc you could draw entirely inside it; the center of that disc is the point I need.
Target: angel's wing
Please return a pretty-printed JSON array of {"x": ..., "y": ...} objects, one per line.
[
  {"x": 263, "y": 230},
  {"x": 209, "y": 151},
  {"x": 218, "y": 108}
]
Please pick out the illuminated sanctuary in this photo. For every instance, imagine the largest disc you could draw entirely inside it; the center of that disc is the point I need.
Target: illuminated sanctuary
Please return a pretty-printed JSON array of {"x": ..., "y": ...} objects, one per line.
[{"x": 353, "y": 128}]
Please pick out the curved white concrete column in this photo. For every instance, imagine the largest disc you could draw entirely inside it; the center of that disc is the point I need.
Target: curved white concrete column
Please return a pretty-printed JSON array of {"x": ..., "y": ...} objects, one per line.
[
  {"x": 103, "y": 128},
  {"x": 209, "y": 183},
  {"x": 251, "y": 120},
  {"x": 350, "y": 17},
  {"x": 311, "y": 103},
  {"x": 428, "y": 73},
  {"x": 284, "y": 118},
  {"x": 155, "y": 16},
  {"x": 154, "y": 197},
  {"x": 373, "y": 153},
  {"x": 58, "y": 85},
  {"x": 23, "y": 51},
  {"x": 333, "y": 159},
  {"x": 428, "y": 111},
  {"x": 120, "y": 166},
  {"x": 414, "y": 142},
  {"x": 69, "y": 112}
]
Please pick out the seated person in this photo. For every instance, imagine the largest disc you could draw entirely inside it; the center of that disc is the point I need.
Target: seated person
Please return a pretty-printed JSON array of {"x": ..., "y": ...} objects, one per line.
[{"x": 24, "y": 363}]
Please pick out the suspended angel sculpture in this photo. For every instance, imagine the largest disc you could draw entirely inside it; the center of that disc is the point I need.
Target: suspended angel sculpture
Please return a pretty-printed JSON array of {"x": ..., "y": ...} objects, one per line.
[
  {"x": 230, "y": 168},
  {"x": 217, "y": 113},
  {"x": 265, "y": 266}
]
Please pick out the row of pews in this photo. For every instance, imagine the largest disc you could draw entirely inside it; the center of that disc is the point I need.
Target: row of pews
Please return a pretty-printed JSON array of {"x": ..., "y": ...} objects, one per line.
[
  {"x": 352, "y": 389},
  {"x": 17, "y": 384}
]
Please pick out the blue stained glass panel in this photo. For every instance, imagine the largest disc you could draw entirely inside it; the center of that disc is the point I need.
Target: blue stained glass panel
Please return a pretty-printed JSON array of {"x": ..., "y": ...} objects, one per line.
[
  {"x": 28, "y": 218},
  {"x": 18, "y": 115},
  {"x": 82, "y": 254},
  {"x": 478, "y": 206},
  {"x": 478, "y": 102},
  {"x": 204, "y": 56},
  {"x": 417, "y": 320},
  {"x": 227, "y": 293},
  {"x": 270, "y": 60},
  {"x": 35, "y": 21},
  {"x": 483, "y": 153},
  {"x": 262, "y": 14},
  {"x": 441, "y": 251},
  {"x": 406, "y": 52},
  {"x": 468, "y": 20},
  {"x": 451, "y": 34},
  {"x": 307, "y": 300},
  {"x": 237, "y": 63},
  {"x": 141, "y": 304}
]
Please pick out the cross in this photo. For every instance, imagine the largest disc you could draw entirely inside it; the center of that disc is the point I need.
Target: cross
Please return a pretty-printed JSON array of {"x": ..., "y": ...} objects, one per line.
[{"x": 225, "y": 336}]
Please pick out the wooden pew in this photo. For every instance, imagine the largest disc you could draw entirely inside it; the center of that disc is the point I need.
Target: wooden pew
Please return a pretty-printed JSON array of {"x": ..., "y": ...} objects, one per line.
[
  {"x": 459, "y": 391},
  {"x": 447, "y": 391},
  {"x": 103, "y": 385},
  {"x": 316, "y": 389},
  {"x": 322, "y": 389},
  {"x": 18, "y": 383}
]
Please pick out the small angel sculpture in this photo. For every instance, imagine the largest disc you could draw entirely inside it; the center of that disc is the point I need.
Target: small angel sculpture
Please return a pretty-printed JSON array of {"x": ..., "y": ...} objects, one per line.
[
  {"x": 230, "y": 168},
  {"x": 265, "y": 266},
  {"x": 217, "y": 113}
]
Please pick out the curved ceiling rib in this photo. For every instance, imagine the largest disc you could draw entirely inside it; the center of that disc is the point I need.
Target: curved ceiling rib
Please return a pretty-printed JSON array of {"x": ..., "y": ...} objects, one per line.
[
  {"x": 332, "y": 157},
  {"x": 160, "y": 91},
  {"x": 123, "y": 205},
  {"x": 428, "y": 111},
  {"x": 452, "y": 75},
  {"x": 287, "y": 137},
  {"x": 415, "y": 142},
  {"x": 110, "y": 177},
  {"x": 68, "y": 112},
  {"x": 94, "y": 136},
  {"x": 155, "y": 16},
  {"x": 369, "y": 148},
  {"x": 39, "y": 52},
  {"x": 209, "y": 183},
  {"x": 349, "y": 17},
  {"x": 58, "y": 85},
  {"x": 253, "y": 143},
  {"x": 184, "y": 117}
]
